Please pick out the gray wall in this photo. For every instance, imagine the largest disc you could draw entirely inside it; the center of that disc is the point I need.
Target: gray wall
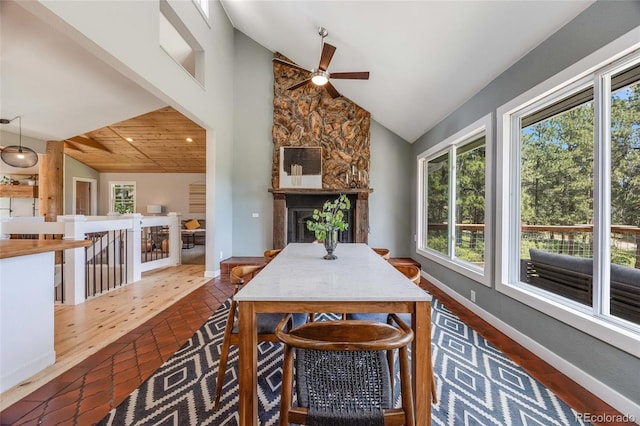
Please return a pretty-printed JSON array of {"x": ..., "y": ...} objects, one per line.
[
  {"x": 595, "y": 27},
  {"x": 391, "y": 161},
  {"x": 252, "y": 147},
  {"x": 390, "y": 203}
]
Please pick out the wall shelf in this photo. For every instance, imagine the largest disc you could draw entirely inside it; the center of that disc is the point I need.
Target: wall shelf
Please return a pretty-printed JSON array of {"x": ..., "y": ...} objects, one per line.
[{"x": 19, "y": 191}]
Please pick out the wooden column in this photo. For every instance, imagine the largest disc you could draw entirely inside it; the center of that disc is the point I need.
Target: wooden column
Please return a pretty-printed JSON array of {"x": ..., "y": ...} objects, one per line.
[
  {"x": 279, "y": 221},
  {"x": 362, "y": 218},
  {"x": 51, "y": 181}
]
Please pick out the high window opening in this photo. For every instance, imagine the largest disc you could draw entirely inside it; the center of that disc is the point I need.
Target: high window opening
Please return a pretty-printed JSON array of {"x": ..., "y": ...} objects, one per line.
[{"x": 179, "y": 43}]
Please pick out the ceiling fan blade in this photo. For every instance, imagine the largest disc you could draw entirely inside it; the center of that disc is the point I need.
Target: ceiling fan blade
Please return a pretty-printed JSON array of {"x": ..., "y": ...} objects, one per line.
[
  {"x": 290, "y": 64},
  {"x": 302, "y": 83},
  {"x": 351, "y": 75},
  {"x": 327, "y": 53},
  {"x": 332, "y": 90}
]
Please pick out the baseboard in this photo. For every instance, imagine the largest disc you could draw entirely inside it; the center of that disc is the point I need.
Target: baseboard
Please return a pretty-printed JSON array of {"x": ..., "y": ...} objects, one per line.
[
  {"x": 212, "y": 274},
  {"x": 612, "y": 397},
  {"x": 25, "y": 371}
]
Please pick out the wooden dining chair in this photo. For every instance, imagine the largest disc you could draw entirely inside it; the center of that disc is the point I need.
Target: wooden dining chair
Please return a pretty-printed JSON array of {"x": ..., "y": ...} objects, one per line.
[
  {"x": 341, "y": 372},
  {"x": 267, "y": 323},
  {"x": 269, "y": 255},
  {"x": 383, "y": 252},
  {"x": 413, "y": 273}
]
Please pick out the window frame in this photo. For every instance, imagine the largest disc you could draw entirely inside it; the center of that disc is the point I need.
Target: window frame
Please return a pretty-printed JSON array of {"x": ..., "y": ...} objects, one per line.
[
  {"x": 204, "y": 8},
  {"x": 112, "y": 187},
  {"x": 449, "y": 146},
  {"x": 596, "y": 68}
]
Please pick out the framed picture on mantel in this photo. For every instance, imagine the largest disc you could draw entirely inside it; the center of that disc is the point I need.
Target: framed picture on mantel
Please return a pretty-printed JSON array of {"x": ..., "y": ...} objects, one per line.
[{"x": 300, "y": 167}]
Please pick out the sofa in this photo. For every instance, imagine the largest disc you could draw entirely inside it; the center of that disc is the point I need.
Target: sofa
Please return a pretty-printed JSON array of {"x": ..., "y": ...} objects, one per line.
[
  {"x": 571, "y": 277},
  {"x": 193, "y": 232}
]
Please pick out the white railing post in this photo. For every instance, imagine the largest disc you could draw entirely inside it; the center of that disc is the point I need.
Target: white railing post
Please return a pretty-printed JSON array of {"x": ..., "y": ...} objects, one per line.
[
  {"x": 175, "y": 238},
  {"x": 74, "y": 260},
  {"x": 134, "y": 248}
]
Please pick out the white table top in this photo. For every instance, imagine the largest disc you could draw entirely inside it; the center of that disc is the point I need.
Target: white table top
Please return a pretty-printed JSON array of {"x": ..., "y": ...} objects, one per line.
[{"x": 299, "y": 273}]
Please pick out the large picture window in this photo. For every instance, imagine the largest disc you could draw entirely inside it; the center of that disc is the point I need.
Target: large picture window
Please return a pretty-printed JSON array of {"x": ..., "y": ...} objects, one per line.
[
  {"x": 570, "y": 200},
  {"x": 453, "y": 200}
]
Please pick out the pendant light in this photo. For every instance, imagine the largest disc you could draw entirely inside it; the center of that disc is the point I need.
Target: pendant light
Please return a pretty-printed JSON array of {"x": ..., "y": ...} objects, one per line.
[{"x": 18, "y": 155}]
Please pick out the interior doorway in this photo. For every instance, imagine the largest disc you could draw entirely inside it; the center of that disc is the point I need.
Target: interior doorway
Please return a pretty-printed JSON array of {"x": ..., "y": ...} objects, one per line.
[{"x": 84, "y": 196}]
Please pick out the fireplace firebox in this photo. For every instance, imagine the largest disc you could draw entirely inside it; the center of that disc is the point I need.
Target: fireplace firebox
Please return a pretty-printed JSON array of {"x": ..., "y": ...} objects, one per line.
[
  {"x": 292, "y": 208},
  {"x": 300, "y": 209}
]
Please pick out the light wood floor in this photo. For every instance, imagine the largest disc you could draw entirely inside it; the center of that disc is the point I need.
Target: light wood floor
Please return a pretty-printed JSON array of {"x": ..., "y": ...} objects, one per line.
[{"x": 84, "y": 329}]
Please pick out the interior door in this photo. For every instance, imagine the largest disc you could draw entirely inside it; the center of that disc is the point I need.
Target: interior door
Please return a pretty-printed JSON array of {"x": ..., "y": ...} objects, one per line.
[{"x": 83, "y": 198}]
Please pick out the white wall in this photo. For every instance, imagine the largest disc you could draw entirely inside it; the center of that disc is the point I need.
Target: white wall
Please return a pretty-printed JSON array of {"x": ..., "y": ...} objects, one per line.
[
  {"x": 170, "y": 190},
  {"x": 19, "y": 206},
  {"x": 125, "y": 35}
]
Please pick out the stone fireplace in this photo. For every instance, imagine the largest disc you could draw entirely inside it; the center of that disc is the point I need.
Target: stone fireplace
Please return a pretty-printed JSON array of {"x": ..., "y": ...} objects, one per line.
[{"x": 335, "y": 133}]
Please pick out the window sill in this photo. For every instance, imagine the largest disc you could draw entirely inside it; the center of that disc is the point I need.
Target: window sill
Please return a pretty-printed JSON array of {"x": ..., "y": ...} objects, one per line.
[
  {"x": 460, "y": 267},
  {"x": 626, "y": 339}
]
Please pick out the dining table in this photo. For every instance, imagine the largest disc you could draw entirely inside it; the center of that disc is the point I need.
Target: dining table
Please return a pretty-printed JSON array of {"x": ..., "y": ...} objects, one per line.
[{"x": 299, "y": 280}]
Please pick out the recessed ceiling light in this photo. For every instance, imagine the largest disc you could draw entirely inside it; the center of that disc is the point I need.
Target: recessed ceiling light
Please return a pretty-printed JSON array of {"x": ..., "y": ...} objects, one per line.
[
  {"x": 129, "y": 139},
  {"x": 189, "y": 140}
]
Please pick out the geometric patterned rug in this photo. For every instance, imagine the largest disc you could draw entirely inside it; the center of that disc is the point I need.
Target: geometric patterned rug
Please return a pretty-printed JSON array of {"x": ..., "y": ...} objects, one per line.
[{"x": 476, "y": 383}]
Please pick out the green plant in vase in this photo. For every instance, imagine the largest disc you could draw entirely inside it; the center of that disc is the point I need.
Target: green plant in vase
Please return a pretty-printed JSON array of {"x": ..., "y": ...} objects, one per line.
[{"x": 327, "y": 222}]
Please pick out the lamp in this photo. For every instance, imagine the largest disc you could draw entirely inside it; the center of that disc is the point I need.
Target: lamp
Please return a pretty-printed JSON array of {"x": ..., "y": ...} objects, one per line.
[
  {"x": 319, "y": 77},
  {"x": 18, "y": 156},
  {"x": 154, "y": 209}
]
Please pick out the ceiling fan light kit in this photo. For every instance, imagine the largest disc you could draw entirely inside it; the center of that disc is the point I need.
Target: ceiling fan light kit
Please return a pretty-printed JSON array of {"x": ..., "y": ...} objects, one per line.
[
  {"x": 18, "y": 155},
  {"x": 320, "y": 76}
]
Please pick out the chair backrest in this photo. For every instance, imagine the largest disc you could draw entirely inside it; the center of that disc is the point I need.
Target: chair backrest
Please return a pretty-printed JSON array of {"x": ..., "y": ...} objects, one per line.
[
  {"x": 410, "y": 271},
  {"x": 383, "y": 252},
  {"x": 269, "y": 255},
  {"x": 342, "y": 372},
  {"x": 240, "y": 275},
  {"x": 345, "y": 335}
]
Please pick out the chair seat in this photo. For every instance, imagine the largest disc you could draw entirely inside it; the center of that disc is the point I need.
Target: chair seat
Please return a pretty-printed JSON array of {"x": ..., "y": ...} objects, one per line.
[
  {"x": 360, "y": 316},
  {"x": 267, "y": 323},
  {"x": 405, "y": 317}
]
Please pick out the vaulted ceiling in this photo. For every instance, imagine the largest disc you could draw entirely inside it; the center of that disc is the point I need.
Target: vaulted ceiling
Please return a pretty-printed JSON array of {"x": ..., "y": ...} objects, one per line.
[{"x": 426, "y": 58}]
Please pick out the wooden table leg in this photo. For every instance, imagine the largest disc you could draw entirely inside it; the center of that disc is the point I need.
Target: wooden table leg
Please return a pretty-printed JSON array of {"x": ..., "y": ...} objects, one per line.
[
  {"x": 421, "y": 362},
  {"x": 248, "y": 364}
]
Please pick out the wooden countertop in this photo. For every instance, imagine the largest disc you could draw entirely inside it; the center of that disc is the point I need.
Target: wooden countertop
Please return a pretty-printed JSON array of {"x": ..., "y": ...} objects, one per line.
[{"x": 14, "y": 248}]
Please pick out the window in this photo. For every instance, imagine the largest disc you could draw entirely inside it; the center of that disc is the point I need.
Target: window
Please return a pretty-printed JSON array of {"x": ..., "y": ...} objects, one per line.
[
  {"x": 179, "y": 43},
  {"x": 123, "y": 197},
  {"x": 569, "y": 241},
  {"x": 203, "y": 7},
  {"x": 453, "y": 200}
]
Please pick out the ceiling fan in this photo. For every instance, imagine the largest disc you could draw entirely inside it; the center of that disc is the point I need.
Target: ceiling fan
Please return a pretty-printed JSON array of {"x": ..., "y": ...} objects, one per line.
[{"x": 320, "y": 76}]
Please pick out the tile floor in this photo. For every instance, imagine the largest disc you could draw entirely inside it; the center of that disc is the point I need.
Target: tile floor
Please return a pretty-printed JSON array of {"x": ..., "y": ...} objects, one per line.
[{"x": 84, "y": 394}]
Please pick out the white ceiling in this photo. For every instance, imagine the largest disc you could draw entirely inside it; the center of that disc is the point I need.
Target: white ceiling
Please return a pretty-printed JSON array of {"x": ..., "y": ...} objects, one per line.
[
  {"x": 426, "y": 58},
  {"x": 58, "y": 88}
]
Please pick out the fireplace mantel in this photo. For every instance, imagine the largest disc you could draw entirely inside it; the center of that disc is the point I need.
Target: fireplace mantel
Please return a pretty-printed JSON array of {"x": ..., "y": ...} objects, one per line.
[
  {"x": 321, "y": 191},
  {"x": 280, "y": 196}
]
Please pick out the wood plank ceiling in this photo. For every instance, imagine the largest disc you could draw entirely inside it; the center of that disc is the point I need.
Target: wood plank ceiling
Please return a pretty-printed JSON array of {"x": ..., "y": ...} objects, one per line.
[{"x": 151, "y": 143}]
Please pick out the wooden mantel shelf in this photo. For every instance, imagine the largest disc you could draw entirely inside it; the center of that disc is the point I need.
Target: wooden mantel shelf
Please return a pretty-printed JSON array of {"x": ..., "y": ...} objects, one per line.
[
  {"x": 320, "y": 191},
  {"x": 13, "y": 248}
]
